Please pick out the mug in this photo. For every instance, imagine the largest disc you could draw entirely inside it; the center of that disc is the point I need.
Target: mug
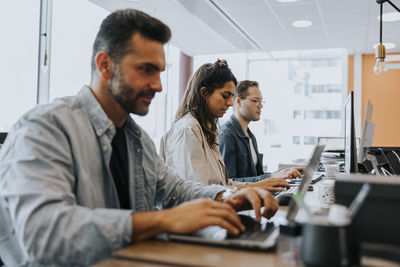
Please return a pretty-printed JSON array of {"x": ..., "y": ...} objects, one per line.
[{"x": 327, "y": 245}]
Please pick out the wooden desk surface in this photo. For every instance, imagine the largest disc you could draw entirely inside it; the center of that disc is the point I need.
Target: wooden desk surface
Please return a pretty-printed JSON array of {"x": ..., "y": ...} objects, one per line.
[
  {"x": 162, "y": 253},
  {"x": 126, "y": 263}
]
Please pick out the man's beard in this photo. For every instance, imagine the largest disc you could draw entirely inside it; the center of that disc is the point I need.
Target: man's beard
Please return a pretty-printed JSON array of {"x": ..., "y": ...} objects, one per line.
[{"x": 126, "y": 96}]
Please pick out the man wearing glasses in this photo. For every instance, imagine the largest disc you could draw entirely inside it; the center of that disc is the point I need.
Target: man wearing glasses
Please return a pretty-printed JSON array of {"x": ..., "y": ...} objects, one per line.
[{"x": 238, "y": 145}]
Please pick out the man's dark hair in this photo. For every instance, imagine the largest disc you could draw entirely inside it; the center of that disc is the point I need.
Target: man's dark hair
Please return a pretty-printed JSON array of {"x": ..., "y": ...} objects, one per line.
[
  {"x": 212, "y": 77},
  {"x": 117, "y": 29},
  {"x": 242, "y": 88}
]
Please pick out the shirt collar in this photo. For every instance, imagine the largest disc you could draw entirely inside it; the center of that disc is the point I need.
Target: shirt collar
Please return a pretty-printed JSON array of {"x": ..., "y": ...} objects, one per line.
[
  {"x": 132, "y": 127},
  {"x": 238, "y": 128},
  {"x": 98, "y": 117},
  {"x": 236, "y": 125}
]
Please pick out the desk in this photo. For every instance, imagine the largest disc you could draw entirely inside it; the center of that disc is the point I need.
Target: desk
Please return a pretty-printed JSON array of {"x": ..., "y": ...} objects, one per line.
[{"x": 162, "y": 253}]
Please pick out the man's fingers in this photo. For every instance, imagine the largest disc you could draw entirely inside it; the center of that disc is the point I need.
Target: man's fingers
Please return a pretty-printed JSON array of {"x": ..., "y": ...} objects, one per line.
[
  {"x": 270, "y": 203},
  {"x": 283, "y": 184},
  {"x": 279, "y": 182},
  {"x": 297, "y": 173},
  {"x": 221, "y": 214},
  {"x": 221, "y": 222},
  {"x": 271, "y": 206},
  {"x": 275, "y": 189},
  {"x": 227, "y": 215},
  {"x": 254, "y": 199},
  {"x": 219, "y": 205}
]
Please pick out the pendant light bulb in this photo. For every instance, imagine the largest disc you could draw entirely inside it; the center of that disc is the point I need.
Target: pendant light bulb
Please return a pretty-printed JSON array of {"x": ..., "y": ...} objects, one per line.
[{"x": 380, "y": 54}]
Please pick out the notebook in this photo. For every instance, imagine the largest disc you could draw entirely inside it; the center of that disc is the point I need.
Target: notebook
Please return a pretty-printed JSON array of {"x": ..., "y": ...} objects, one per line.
[{"x": 258, "y": 236}]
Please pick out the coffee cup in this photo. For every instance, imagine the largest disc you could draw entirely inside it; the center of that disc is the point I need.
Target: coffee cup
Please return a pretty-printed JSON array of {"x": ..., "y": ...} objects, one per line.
[
  {"x": 326, "y": 193},
  {"x": 326, "y": 245}
]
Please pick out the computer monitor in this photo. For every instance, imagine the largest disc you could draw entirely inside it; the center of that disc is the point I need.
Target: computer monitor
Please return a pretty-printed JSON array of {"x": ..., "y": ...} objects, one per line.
[
  {"x": 2, "y": 137},
  {"x": 377, "y": 221},
  {"x": 350, "y": 150},
  {"x": 367, "y": 133}
]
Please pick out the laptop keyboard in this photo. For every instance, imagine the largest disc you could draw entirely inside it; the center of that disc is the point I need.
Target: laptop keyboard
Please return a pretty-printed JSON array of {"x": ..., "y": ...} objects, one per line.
[
  {"x": 292, "y": 190},
  {"x": 296, "y": 182},
  {"x": 316, "y": 177},
  {"x": 254, "y": 230}
]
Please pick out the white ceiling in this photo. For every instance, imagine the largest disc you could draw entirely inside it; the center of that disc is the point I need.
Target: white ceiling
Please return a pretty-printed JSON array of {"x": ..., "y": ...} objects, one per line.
[{"x": 225, "y": 26}]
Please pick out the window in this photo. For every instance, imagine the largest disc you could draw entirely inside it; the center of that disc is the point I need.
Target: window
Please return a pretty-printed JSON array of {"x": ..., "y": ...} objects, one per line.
[
  {"x": 310, "y": 140},
  {"x": 305, "y": 102},
  {"x": 304, "y": 92},
  {"x": 19, "y": 24},
  {"x": 322, "y": 114},
  {"x": 296, "y": 114},
  {"x": 71, "y": 45},
  {"x": 71, "y": 58},
  {"x": 296, "y": 140}
]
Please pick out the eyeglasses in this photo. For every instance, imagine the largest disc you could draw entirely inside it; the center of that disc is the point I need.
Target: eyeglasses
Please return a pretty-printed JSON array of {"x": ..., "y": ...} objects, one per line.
[{"x": 257, "y": 101}]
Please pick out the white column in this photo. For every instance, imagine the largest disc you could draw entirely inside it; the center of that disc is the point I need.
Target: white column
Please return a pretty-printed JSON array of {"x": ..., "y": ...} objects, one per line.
[{"x": 43, "y": 82}]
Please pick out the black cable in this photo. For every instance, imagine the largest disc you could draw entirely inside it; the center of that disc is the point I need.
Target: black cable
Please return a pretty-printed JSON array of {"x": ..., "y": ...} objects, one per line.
[{"x": 380, "y": 32}]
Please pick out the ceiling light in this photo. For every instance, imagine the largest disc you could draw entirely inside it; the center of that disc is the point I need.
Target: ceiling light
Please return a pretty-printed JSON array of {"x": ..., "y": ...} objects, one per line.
[
  {"x": 287, "y": 1},
  {"x": 302, "y": 23},
  {"x": 380, "y": 50},
  {"x": 387, "y": 45},
  {"x": 390, "y": 16}
]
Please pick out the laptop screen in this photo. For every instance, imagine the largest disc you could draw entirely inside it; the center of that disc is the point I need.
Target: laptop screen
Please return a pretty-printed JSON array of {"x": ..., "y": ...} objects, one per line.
[{"x": 305, "y": 183}]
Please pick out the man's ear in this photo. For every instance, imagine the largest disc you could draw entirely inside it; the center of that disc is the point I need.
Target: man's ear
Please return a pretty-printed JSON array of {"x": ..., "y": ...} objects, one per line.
[
  {"x": 104, "y": 65},
  {"x": 238, "y": 101}
]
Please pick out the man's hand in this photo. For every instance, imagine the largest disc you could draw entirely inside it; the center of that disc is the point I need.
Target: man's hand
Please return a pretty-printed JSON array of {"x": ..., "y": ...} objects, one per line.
[
  {"x": 291, "y": 173},
  {"x": 271, "y": 184},
  {"x": 197, "y": 214},
  {"x": 254, "y": 198}
]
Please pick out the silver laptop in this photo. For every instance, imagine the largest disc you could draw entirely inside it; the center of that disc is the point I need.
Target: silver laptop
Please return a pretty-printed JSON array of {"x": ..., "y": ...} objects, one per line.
[
  {"x": 307, "y": 179},
  {"x": 257, "y": 236}
]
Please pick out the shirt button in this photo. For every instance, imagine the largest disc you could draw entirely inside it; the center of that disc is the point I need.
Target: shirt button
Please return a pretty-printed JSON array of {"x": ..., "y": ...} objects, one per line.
[
  {"x": 138, "y": 150},
  {"x": 99, "y": 131},
  {"x": 105, "y": 148}
]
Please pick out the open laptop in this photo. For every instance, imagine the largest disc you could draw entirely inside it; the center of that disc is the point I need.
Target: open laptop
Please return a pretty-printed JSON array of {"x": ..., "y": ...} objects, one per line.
[
  {"x": 296, "y": 184},
  {"x": 258, "y": 236}
]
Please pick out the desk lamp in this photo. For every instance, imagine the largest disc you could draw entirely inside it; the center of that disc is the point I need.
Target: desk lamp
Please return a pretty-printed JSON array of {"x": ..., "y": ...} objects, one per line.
[{"x": 380, "y": 52}]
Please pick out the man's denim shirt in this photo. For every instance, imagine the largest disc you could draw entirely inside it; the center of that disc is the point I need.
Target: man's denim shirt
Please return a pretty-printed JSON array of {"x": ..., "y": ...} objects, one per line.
[
  {"x": 235, "y": 149},
  {"x": 56, "y": 185}
]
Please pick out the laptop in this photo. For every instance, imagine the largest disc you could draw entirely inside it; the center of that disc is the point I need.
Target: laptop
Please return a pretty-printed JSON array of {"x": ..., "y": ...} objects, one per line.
[
  {"x": 296, "y": 184},
  {"x": 258, "y": 236}
]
